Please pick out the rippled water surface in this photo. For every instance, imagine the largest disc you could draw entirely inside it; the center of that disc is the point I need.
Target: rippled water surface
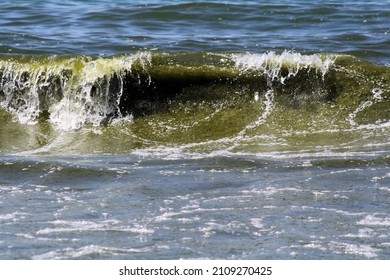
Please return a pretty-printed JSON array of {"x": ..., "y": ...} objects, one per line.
[
  {"x": 110, "y": 27},
  {"x": 219, "y": 207}
]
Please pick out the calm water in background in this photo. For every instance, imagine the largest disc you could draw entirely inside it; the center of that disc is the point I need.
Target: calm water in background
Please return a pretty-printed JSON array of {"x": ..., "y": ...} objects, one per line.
[
  {"x": 106, "y": 28},
  {"x": 306, "y": 200}
]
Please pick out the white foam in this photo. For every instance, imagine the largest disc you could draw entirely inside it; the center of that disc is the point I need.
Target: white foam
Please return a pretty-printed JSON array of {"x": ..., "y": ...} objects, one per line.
[
  {"x": 377, "y": 94},
  {"x": 363, "y": 250},
  {"x": 271, "y": 63},
  {"x": 27, "y": 106},
  {"x": 76, "y": 110},
  {"x": 269, "y": 105},
  {"x": 373, "y": 220},
  {"x": 257, "y": 223},
  {"x": 62, "y": 226},
  {"x": 362, "y": 233},
  {"x": 379, "y": 178},
  {"x": 360, "y": 108},
  {"x": 376, "y": 97},
  {"x": 314, "y": 245},
  {"x": 72, "y": 253},
  {"x": 84, "y": 98},
  {"x": 15, "y": 216}
]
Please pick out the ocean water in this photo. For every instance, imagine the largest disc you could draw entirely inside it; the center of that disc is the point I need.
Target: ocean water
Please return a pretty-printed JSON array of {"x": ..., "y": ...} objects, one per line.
[{"x": 194, "y": 129}]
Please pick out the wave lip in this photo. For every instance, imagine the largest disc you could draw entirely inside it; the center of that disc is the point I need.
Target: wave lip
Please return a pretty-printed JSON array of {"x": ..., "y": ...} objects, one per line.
[
  {"x": 71, "y": 91},
  {"x": 272, "y": 64},
  {"x": 74, "y": 91}
]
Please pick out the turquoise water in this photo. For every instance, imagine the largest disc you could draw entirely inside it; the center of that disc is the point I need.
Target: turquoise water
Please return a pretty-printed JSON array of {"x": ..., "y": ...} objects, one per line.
[{"x": 194, "y": 129}]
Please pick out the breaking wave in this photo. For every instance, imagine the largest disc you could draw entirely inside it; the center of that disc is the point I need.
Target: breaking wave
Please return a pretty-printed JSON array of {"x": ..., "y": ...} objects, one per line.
[{"x": 152, "y": 99}]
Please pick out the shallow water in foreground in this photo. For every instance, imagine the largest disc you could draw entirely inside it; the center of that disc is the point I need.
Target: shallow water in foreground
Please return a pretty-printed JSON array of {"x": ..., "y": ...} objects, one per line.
[{"x": 229, "y": 207}]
